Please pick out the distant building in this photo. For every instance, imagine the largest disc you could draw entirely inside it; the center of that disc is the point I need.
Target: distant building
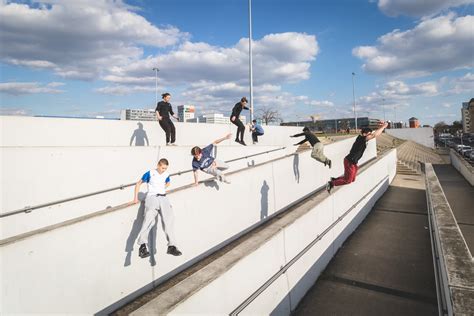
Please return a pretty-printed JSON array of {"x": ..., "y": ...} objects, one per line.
[
  {"x": 414, "y": 123},
  {"x": 340, "y": 124},
  {"x": 216, "y": 118},
  {"x": 467, "y": 112},
  {"x": 137, "y": 115},
  {"x": 186, "y": 113}
]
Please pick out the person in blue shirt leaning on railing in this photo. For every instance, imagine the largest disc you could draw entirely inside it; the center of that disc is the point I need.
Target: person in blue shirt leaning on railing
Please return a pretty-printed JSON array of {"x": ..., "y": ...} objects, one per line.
[
  {"x": 156, "y": 202},
  {"x": 205, "y": 161},
  {"x": 257, "y": 130}
]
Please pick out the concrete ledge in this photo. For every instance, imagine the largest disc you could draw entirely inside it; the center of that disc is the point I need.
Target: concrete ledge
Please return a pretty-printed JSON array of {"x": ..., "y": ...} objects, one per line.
[
  {"x": 462, "y": 166},
  {"x": 454, "y": 266}
]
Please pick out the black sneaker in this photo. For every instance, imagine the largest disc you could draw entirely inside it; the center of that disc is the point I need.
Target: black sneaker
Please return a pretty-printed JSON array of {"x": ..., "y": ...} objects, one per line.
[
  {"x": 329, "y": 186},
  {"x": 172, "y": 250},
  {"x": 237, "y": 141},
  {"x": 329, "y": 162},
  {"x": 243, "y": 143},
  {"x": 143, "y": 252}
]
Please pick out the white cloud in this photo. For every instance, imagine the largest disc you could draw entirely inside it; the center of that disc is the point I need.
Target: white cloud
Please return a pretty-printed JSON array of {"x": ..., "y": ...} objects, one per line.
[
  {"x": 465, "y": 84},
  {"x": 418, "y": 8},
  {"x": 324, "y": 103},
  {"x": 446, "y": 105},
  {"x": 437, "y": 44},
  {"x": 19, "y": 88},
  {"x": 278, "y": 58},
  {"x": 14, "y": 111},
  {"x": 124, "y": 89},
  {"x": 77, "y": 39}
]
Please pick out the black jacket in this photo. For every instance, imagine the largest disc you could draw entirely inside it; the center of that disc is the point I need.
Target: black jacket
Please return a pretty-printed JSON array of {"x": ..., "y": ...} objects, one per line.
[
  {"x": 308, "y": 137},
  {"x": 237, "y": 109},
  {"x": 164, "y": 108}
]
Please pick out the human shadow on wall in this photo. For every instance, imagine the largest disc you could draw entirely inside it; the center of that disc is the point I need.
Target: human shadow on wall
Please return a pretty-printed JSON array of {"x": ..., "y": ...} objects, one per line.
[
  {"x": 135, "y": 231},
  {"x": 296, "y": 167},
  {"x": 211, "y": 183},
  {"x": 140, "y": 136},
  {"x": 264, "y": 200}
]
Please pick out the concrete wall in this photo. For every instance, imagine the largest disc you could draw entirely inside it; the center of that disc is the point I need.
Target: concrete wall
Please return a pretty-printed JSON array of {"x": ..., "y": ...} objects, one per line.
[
  {"x": 453, "y": 262},
  {"x": 49, "y": 159},
  {"x": 283, "y": 295},
  {"x": 462, "y": 166},
  {"x": 93, "y": 264},
  {"x": 21, "y": 131},
  {"x": 65, "y": 172},
  {"x": 423, "y": 135}
]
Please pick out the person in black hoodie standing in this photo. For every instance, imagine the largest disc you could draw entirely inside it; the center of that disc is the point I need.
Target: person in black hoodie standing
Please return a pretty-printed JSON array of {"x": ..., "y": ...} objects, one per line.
[
  {"x": 318, "y": 148},
  {"x": 163, "y": 112},
  {"x": 234, "y": 118}
]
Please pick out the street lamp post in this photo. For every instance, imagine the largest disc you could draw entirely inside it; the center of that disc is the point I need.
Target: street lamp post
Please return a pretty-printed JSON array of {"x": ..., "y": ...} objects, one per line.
[
  {"x": 353, "y": 96},
  {"x": 156, "y": 85},
  {"x": 395, "y": 120},
  {"x": 383, "y": 107},
  {"x": 250, "y": 61}
]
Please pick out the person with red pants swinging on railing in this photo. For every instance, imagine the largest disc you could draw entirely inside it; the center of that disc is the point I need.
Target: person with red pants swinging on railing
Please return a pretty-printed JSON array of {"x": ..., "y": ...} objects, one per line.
[{"x": 351, "y": 160}]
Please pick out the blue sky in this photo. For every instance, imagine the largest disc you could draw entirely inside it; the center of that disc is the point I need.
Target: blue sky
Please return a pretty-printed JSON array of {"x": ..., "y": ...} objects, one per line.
[{"x": 95, "y": 57}]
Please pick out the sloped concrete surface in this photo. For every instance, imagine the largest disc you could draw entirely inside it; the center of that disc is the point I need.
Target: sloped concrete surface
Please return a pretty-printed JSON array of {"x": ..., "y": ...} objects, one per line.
[{"x": 385, "y": 267}]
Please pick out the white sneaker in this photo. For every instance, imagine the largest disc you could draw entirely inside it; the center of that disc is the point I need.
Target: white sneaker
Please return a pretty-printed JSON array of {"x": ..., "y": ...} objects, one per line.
[{"x": 225, "y": 180}]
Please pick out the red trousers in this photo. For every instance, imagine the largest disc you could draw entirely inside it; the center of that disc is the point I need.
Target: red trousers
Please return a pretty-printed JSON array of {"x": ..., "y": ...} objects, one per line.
[{"x": 350, "y": 171}]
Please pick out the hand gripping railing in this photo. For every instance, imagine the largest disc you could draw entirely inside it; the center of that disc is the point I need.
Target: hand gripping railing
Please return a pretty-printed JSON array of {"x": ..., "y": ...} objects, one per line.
[{"x": 29, "y": 209}]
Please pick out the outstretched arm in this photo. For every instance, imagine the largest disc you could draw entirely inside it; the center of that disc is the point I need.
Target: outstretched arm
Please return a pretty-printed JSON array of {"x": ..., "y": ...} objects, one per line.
[
  {"x": 297, "y": 135},
  {"x": 196, "y": 180},
  {"x": 217, "y": 141},
  {"x": 301, "y": 142},
  {"x": 377, "y": 132},
  {"x": 135, "y": 195}
]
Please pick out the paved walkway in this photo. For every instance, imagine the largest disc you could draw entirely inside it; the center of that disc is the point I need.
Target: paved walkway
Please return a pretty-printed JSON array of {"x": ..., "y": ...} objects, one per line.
[
  {"x": 385, "y": 267},
  {"x": 460, "y": 195}
]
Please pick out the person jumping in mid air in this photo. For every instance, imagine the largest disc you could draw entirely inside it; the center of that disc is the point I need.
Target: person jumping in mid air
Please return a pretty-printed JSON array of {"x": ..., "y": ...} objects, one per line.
[
  {"x": 156, "y": 202},
  {"x": 235, "y": 119},
  {"x": 204, "y": 161},
  {"x": 318, "y": 148},
  {"x": 351, "y": 160},
  {"x": 163, "y": 112}
]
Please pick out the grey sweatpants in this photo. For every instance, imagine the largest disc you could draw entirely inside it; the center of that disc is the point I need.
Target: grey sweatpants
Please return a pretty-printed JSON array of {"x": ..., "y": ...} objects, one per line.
[
  {"x": 217, "y": 169},
  {"x": 318, "y": 153},
  {"x": 155, "y": 205}
]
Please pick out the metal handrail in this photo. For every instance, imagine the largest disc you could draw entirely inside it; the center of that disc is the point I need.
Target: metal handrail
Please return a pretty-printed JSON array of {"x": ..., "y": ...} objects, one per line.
[
  {"x": 283, "y": 269},
  {"x": 29, "y": 209}
]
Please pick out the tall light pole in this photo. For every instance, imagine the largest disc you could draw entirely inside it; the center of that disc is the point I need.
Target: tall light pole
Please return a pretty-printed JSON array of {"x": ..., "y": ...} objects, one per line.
[
  {"x": 395, "y": 120},
  {"x": 156, "y": 85},
  {"x": 353, "y": 96},
  {"x": 383, "y": 107},
  {"x": 250, "y": 61}
]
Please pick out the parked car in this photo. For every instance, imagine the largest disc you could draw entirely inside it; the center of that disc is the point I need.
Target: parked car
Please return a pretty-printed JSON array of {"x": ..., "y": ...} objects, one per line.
[
  {"x": 460, "y": 148},
  {"x": 467, "y": 152},
  {"x": 471, "y": 155}
]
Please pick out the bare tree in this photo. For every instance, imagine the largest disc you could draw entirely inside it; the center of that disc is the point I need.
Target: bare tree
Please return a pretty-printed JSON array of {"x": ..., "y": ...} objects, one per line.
[{"x": 267, "y": 115}]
